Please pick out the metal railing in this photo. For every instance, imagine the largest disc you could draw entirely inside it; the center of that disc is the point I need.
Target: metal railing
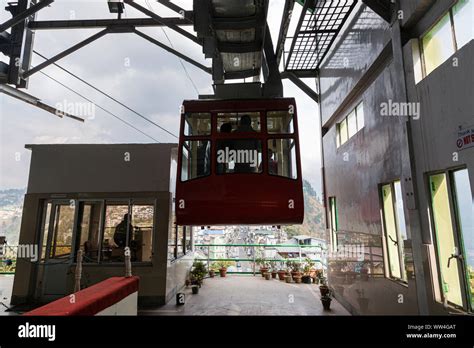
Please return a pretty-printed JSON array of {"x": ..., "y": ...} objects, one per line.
[{"x": 255, "y": 248}]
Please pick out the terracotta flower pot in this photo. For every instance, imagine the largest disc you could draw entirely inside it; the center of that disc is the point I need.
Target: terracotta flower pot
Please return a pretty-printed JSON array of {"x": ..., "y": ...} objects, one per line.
[
  {"x": 288, "y": 278},
  {"x": 295, "y": 274},
  {"x": 212, "y": 273},
  {"x": 268, "y": 276},
  {"x": 326, "y": 301},
  {"x": 324, "y": 290},
  {"x": 223, "y": 272},
  {"x": 281, "y": 275},
  {"x": 263, "y": 270},
  {"x": 274, "y": 274},
  {"x": 297, "y": 279}
]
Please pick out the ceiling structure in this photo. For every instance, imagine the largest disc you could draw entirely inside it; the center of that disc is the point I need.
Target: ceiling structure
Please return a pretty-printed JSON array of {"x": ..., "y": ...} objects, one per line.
[{"x": 233, "y": 34}]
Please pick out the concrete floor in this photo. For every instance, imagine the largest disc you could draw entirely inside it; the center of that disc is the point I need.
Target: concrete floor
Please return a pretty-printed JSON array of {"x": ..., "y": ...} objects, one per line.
[
  {"x": 6, "y": 286},
  {"x": 249, "y": 295}
]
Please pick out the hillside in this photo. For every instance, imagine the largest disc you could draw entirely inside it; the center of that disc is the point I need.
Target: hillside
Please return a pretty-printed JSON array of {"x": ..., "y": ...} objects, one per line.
[{"x": 313, "y": 224}]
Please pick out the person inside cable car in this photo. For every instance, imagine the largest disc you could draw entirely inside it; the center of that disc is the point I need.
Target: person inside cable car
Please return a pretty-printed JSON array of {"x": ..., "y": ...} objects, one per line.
[{"x": 245, "y": 125}]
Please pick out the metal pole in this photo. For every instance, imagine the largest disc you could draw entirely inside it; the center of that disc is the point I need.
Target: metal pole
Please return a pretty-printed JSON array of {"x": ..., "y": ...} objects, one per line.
[
  {"x": 128, "y": 264},
  {"x": 65, "y": 53},
  {"x": 253, "y": 252},
  {"x": 25, "y": 14},
  {"x": 208, "y": 261},
  {"x": 78, "y": 273}
]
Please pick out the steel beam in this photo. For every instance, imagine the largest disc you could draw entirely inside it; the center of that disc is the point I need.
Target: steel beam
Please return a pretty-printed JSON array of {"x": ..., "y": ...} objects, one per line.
[
  {"x": 285, "y": 24},
  {"x": 25, "y": 14},
  {"x": 161, "y": 20},
  {"x": 28, "y": 98},
  {"x": 301, "y": 85},
  {"x": 185, "y": 14},
  {"x": 66, "y": 52},
  {"x": 173, "y": 51},
  {"x": 103, "y": 23}
]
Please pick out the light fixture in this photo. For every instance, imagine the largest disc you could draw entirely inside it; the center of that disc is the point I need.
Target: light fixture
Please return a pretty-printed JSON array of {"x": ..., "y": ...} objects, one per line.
[{"x": 115, "y": 6}]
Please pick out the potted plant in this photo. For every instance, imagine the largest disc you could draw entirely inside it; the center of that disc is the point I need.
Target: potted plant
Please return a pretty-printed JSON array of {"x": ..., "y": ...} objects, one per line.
[
  {"x": 195, "y": 289},
  {"x": 198, "y": 273},
  {"x": 222, "y": 267},
  {"x": 212, "y": 273},
  {"x": 323, "y": 288},
  {"x": 308, "y": 267},
  {"x": 263, "y": 265},
  {"x": 318, "y": 275},
  {"x": 267, "y": 275},
  {"x": 326, "y": 301},
  {"x": 281, "y": 274},
  {"x": 273, "y": 268},
  {"x": 296, "y": 271}
]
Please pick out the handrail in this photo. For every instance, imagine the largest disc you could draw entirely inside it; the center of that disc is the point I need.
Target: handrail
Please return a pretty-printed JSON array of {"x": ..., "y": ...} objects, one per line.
[{"x": 265, "y": 245}]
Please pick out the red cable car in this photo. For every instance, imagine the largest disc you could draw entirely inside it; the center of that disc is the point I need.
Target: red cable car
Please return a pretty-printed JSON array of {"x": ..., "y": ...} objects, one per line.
[{"x": 239, "y": 163}]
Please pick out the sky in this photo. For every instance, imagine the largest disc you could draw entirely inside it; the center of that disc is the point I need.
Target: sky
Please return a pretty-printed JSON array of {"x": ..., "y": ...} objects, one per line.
[{"x": 132, "y": 70}]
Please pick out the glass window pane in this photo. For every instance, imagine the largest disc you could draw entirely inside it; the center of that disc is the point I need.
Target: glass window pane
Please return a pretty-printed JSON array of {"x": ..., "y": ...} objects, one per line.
[
  {"x": 281, "y": 158},
  {"x": 196, "y": 159},
  {"x": 401, "y": 227},
  {"x": 188, "y": 238},
  {"x": 343, "y": 131},
  {"x": 338, "y": 135},
  {"x": 465, "y": 216},
  {"x": 446, "y": 243},
  {"x": 239, "y": 156},
  {"x": 279, "y": 122},
  {"x": 360, "y": 116},
  {"x": 391, "y": 236},
  {"x": 463, "y": 13},
  {"x": 62, "y": 231},
  {"x": 229, "y": 122},
  {"x": 88, "y": 230},
  {"x": 142, "y": 222},
  {"x": 117, "y": 225},
  {"x": 180, "y": 244},
  {"x": 438, "y": 44},
  {"x": 197, "y": 124},
  {"x": 47, "y": 217},
  {"x": 352, "y": 124},
  {"x": 172, "y": 243}
]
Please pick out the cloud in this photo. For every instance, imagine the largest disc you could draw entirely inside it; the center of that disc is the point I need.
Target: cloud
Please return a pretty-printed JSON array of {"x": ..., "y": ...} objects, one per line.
[{"x": 136, "y": 72}]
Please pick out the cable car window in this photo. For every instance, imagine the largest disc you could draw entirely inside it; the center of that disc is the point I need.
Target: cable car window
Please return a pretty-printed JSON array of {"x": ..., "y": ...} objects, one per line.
[
  {"x": 196, "y": 159},
  {"x": 232, "y": 122},
  {"x": 280, "y": 122},
  {"x": 197, "y": 124},
  {"x": 281, "y": 158},
  {"x": 239, "y": 156}
]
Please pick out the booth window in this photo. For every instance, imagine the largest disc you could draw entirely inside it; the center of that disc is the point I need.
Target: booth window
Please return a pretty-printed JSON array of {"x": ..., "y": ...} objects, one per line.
[
  {"x": 128, "y": 224},
  {"x": 116, "y": 226},
  {"x": 62, "y": 231},
  {"x": 45, "y": 230},
  {"x": 281, "y": 157},
  {"x": 196, "y": 159},
  {"x": 88, "y": 230}
]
